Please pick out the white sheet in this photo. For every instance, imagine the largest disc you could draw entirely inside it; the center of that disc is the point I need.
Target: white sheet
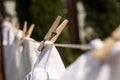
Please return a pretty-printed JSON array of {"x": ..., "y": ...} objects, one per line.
[
  {"x": 8, "y": 62},
  {"x": 86, "y": 67},
  {"x": 29, "y": 55},
  {"x": 49, "y": 65},
  {"x": 17, "y": 51},
  {"x": 6, "y": 29}
]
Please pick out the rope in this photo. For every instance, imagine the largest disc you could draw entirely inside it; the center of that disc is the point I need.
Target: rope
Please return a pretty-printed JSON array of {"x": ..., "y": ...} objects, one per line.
[{"x": 74, "y": 46}]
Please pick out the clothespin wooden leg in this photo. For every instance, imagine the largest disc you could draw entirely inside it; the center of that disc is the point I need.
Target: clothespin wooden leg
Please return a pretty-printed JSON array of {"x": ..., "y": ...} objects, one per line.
[
  {"x": 48, "y": 35},
  {"x": 41, "y": 45},
  {"x": 30, "y": 30},
  {"x": 59, "y": 30},
  {"x": 53, "y": 28},
  {"x": 24, "y": 31}
]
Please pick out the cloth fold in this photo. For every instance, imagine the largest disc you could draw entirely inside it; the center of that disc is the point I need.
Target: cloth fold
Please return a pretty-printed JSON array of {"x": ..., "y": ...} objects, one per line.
[
  {"x": 49, "y": 65},
  {"x": 87, "y": 67},
  {"x": 29, "y": 55}
]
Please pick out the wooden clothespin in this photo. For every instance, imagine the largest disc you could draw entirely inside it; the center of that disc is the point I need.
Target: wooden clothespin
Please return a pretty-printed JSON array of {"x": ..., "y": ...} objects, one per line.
[
  {"x": 53, "y": 32},
  {"x": 25, "y": 32},
  {"x": 102, "y": 54}
]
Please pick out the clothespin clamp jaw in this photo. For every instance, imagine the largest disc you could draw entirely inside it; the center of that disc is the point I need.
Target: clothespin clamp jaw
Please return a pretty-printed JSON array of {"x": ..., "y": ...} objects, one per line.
[
  {"x": 53, "y": 32},
  {"x": 42, "y": 42},
  {"x": 25, "y": 32}
]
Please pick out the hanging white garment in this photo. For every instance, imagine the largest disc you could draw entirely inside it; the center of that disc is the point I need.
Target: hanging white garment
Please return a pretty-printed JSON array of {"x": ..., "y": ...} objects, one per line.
[
  {"x": 29, "y": 55},
  {"x": 11, "y": 36},
  {"x": 6, "y": 26},
  {"x": 12, "y": 57},
  {"x": 8, "y": 62},
  {"x": 18, "y": 34},
  {"x": 12, "y": 54},
  {"x": 17, "y": 51},
  {"x": 114, "y": 61},
  {"x": 110, "y": 69},
  {"x": 49, "y": 65},
  {"x": 86, "y": 67}
]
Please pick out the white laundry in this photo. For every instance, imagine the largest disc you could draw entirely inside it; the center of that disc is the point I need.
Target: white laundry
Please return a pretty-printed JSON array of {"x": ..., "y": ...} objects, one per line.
[
  {"x": 11, "y": 36},
  {"x": 12, "y": 59},
  {"x": 19, "y": 34},
  {"x": 8, "y": 33},
  {"x": 29, "y": 55},
  {"x": 8, "y": 62},
  {"x": 17, "y": 51},
  {"x": 110, "y": 69},
  {"x": 12, "y": 56},
  {"x": 49, "y": 65},
  {"x": 86, "y": 67},
  {"x": 6, "y": 26},
  {"x": 114, "y": 61}
]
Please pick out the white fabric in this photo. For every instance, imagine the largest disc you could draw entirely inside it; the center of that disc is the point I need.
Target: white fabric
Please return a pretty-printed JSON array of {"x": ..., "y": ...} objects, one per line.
[
  {"x": 12, "y": 52},
  {"x": 8, "y": 33},
  {"x": 11, "y": 36},
  {"x": 29, "y": 55},
  {"x": 17, "y": 51},
  {"x": 111, "y": 68},
  {"x": 19, "y": 34},
  {"x": 49, "y": 65},
  {"x": 6, "y": 26},
  {"x": 12, "y": 60},
  {"x": 96, "y": 43},
  {"x": 114, "y": 61},
  {"x": 86, "y": 67},
  {"x": 20, "y": 60},
  {"x": 8, "y": 62}
]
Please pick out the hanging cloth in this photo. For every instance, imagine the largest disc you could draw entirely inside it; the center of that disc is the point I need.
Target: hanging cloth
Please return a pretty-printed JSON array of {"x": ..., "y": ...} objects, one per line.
[
  {"x": 49, "y": 65},
  {"x": 29, "y": 55},
  {"x": 86, "y": 67}
]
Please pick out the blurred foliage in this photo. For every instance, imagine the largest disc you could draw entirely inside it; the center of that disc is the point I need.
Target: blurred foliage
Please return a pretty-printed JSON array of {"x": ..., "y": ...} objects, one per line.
[
  {"x": 2, "y": 9},
  {"x": 43, "y": 13},
  {"x": 102, "y": 15},
  {"x": 23, "y": 13}
]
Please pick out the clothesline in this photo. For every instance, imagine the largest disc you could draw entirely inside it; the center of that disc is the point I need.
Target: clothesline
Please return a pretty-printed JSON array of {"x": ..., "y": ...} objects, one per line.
[{"x": 74, "y": 46}]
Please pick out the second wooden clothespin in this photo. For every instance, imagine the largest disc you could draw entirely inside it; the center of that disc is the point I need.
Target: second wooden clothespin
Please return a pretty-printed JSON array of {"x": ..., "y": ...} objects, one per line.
[
  {"x": 53, "y": 32},
  {"x": 25, "y": 32},
  {"x": 103, "y": 53}
]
